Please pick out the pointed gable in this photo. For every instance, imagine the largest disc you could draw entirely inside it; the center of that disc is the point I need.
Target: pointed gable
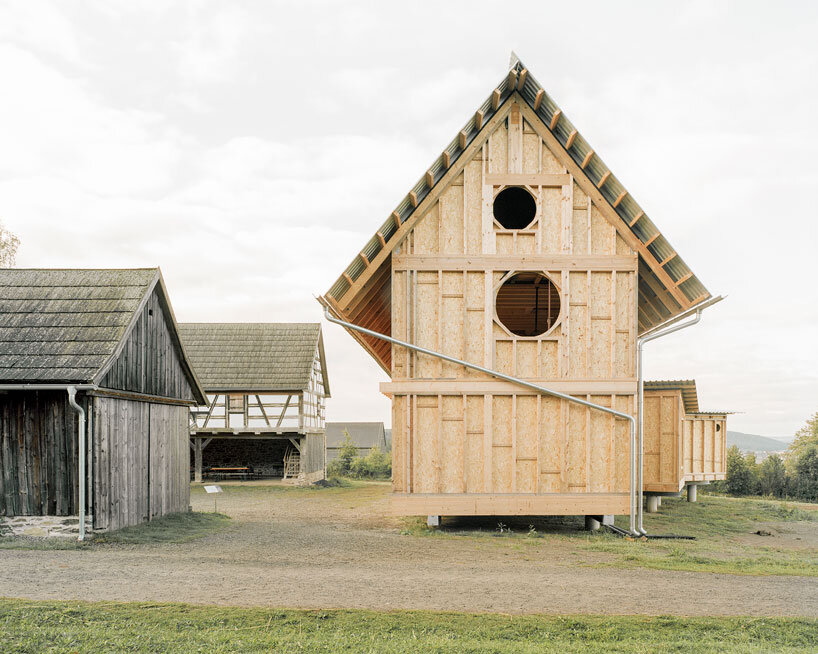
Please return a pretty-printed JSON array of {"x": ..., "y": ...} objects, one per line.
[{"x": 667, "y": 287}]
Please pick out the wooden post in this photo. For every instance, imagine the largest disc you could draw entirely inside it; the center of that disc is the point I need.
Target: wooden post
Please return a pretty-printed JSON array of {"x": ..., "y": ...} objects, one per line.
[{"x": 197, "y": 457}]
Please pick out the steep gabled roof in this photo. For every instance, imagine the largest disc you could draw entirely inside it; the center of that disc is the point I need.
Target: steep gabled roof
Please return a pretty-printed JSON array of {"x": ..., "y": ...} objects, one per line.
[
  {"x": 667, "y": 287},
  {"x": 687, "y": 387},
  {"x": 245, "y": 356},
  {"x": 67, "y": 326}
]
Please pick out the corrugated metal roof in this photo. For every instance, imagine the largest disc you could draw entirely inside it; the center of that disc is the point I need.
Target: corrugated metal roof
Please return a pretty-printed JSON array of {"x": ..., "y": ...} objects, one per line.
[
  {"x": 254, "y": 356},
  {"x": 363, "y": 434},
  {"x": 687, "y": 386},
  {"x": 62, "y": 326}
]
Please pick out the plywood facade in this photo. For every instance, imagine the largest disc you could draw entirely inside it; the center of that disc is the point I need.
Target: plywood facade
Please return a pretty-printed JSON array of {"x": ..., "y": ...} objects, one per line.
[
  {"x": 680, "y": 448},
  {"x": 485, "y": 446},
  {"x": 705, "y": 447}
]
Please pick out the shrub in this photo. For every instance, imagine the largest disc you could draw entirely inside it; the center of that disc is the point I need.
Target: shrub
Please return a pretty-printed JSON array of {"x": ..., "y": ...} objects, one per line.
[
  {"x": 772, "y": 476},
  {"x": 375, "y": 465},
  {"x": 806, "y": 474},
  {"x": 341, "y": 466}
]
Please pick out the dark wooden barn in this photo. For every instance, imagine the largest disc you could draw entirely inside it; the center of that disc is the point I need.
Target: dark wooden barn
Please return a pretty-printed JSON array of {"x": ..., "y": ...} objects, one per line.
[
  {"x": 266, "y": 384},
  {"x": 109, "y": 339}
]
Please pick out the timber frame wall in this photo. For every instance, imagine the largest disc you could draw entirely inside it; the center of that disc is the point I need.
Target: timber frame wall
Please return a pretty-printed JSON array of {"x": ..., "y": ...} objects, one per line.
[
  {"x": 296, "y": 416},
  {"x": 463, "y": 442}
]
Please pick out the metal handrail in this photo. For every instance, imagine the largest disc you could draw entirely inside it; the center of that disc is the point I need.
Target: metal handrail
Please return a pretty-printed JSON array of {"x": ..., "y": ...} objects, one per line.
[{"x": 520, "y": 382}]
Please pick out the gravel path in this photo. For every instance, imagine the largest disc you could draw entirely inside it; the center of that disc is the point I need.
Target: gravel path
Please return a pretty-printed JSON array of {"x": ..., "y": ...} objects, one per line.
[{"x": 329, "y": 550}]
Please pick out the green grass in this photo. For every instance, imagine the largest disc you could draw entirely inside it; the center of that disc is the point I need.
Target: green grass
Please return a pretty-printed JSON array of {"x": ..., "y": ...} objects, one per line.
[
  {"x": 56, "y": 627},
  {"x": 173, "y": 528},
  {"x": 716, "y": 522}
]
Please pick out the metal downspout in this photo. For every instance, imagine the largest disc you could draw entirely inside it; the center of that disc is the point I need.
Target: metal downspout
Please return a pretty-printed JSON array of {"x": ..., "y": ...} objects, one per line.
[
  {"x": 641, "y": 403},
  {"x": 520, "y": 382},
  {"x": 81, "y": 481}
]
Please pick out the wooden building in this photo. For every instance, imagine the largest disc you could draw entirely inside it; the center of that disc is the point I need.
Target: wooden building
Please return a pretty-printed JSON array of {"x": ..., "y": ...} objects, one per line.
[
  {"x": 266, "y": 386},
  {"x": 683, "y": 445},
  {"x": 108, "y": 338},
  {"x": 518, "y": 250}
]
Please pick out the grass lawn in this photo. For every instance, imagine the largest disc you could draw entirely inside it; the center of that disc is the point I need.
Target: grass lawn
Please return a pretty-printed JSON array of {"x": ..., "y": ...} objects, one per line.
[
  {"x": 173, "y": 528},
  {"x": 27, "y": 626},
  {"x": 722, "y": 527}
]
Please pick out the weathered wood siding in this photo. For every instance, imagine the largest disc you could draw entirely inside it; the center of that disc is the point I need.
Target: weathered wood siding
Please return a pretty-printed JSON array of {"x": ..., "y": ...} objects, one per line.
[
  {"x": 662, "y": 468},
  {"x": 38, "y": 454},
  {"x": 141, "y": 461},
  {"x": 313, "y": 449},
  {"x": 149, "y": 362},
  {"x": 458, "y": 432}
]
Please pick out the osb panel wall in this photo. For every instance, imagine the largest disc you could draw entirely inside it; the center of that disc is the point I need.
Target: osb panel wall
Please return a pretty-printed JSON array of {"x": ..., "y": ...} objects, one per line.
[
  {"x": 460, "y": 431},
  {"x": 704, "y": 447},
  {"x": 662, "y": 467}
]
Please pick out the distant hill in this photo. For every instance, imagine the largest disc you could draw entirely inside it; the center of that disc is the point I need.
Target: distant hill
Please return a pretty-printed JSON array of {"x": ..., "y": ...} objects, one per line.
[{"x": 755, "y": 443}]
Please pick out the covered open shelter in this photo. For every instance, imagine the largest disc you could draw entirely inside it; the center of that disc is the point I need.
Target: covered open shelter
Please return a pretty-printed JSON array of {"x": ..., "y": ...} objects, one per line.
[
  {"x": 266, "y": 386},
  {"x": 95, "y": 393}
]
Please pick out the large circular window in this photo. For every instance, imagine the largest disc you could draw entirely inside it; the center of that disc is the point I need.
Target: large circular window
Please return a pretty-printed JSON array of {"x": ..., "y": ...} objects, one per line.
[
  {"x": 528, "y": 304},
  {"x": 514, "y": 207}
]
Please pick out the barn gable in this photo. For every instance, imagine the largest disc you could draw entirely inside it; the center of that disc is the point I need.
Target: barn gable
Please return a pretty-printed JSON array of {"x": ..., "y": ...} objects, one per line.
[
  {"x": 518, "y": 129},
  {"x": 150, "y": 359},
  {"x": 109, "y": 328}
]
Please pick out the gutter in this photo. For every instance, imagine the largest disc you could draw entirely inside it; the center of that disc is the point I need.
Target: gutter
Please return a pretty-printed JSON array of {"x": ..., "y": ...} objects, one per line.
[
  {"x": 521, "y": 382},
  {"x": 664, "y": 329},
  {"x": 72, "y": 389}
]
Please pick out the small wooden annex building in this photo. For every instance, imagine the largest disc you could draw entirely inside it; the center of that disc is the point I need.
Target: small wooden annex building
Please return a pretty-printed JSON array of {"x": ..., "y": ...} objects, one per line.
[
  {"x": 683, "y": 445},
  {"x": 108, "y": 337},
  {"x": 519, "y": 251},
  {"x": 266, "y": 386}
]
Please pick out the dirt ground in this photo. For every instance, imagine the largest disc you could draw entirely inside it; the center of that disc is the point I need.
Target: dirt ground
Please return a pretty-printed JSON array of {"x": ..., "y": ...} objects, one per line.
[{"x": 328, "y": 549}]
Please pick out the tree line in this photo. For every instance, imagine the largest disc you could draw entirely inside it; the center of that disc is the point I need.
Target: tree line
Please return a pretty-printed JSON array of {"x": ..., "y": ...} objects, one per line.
[{"x": 794, "y": 476}]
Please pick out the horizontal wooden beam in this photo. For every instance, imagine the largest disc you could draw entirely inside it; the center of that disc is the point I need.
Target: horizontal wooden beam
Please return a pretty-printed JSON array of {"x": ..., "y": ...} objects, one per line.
[
  {"x": 510, "y": 504},
  {"x": 533, "y": 179},
  {"x": 554, "y": 262},
  {"x": 489, "y": 385}
]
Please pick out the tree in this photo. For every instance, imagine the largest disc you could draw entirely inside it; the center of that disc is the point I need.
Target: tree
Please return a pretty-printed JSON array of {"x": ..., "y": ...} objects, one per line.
[
  {"x": 753, "y": 474},
  {"x": 341, "y": 466},
  {"x": 805, "y": 438},
  {"x": 806, "y": 474},
  {"x": 8, "y": 247},
  {"x": 772, "y": 476},
  {"x": 738, "y": 475}
]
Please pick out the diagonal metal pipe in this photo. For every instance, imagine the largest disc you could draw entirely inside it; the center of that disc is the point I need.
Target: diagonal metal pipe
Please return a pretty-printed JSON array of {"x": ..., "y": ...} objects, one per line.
[{"x": 520, "y": 382}]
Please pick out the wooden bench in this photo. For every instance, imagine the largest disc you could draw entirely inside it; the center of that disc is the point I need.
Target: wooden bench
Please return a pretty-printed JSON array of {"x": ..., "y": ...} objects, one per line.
[{"x": 230, "y": 473}]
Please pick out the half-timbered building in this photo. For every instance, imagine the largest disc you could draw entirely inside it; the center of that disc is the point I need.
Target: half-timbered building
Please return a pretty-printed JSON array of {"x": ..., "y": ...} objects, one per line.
[{"x": 266, "y": 386}]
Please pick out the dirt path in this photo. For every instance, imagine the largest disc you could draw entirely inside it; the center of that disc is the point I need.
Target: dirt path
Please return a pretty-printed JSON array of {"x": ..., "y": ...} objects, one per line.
[{"x": 298, "y": 550}]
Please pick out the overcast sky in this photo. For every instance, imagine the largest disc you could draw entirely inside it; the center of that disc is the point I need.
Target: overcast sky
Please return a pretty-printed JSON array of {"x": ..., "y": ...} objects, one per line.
[{"x": 251, "y": 148}]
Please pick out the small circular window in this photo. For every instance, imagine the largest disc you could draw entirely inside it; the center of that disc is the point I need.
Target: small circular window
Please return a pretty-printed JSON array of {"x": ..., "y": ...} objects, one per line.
[
  {"x": 528, "y": 304},
  {"x": 514, "y": 207}
]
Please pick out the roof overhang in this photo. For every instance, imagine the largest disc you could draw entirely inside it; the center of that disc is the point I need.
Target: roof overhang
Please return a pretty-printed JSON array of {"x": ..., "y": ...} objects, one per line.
[{"x": 667, "y": 287}]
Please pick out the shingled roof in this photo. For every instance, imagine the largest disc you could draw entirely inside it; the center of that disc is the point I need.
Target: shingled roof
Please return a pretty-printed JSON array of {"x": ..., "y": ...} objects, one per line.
[
  {"x": 63, "y": 326},
  {"x": 247, "y": 356}
]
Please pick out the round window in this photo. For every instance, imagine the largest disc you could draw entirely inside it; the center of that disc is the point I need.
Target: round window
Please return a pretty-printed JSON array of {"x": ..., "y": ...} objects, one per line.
[
  {"x": 528, "y": 304},
  {"x": 514, "y": 207}
]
